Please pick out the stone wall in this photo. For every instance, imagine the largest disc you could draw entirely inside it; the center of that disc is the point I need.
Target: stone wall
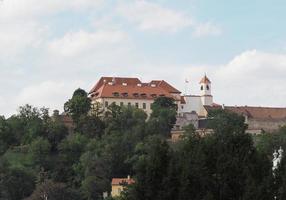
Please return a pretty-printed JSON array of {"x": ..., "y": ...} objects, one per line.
[{"x": 268, "y": 125}]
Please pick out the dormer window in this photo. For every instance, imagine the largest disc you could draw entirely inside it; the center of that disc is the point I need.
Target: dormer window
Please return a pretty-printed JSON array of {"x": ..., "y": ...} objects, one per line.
[
  {"x": 94, "y": 94},
  {"x": 135, "y": 94},
  {"x": 143, "y": 95},
  {"x": 115, "y": 94},
  {"x": 154, "y": 95},
  {"x": 125, "y": 94},
  {"x": 161, "y": 95}
]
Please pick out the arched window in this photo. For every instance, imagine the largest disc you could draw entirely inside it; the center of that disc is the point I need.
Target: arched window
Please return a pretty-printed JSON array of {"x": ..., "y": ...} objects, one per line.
[
  {"x": 202, "y": 87},
  {"x": 208, "y": 88}
]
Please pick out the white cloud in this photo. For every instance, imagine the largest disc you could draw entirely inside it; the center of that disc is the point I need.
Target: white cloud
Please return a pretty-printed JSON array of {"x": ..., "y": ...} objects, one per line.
[
  {"x": 151, "y": 16},
  {"x": 16, "y": 37},
  {"x": 76, "y": 43},
  {"x": 206, "y": 29},
  {"x": 50, "y": 94},
  {"x": 18, "y": 9}
]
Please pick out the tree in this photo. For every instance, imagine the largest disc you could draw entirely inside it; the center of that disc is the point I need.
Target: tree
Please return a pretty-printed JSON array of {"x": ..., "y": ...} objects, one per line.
[
  {"x": 54, "y": 191},
  {"x": 70, "y": 151},
  {"x": 226, "y": 122},
  {"x": 233, "y": 162},
  {"x": 163, "y": 116},
  {"x": 7, "y": 137},
  {"x": 18, "y": 184},
  {"x": 91, "y": 125},
  {"x": 40, "y": 149},
  {"x": 151, "y": 167},
  {"x": 79, "y": 105},
  {"x": 56, "y": 132},
  {"x": 29, "y": 123}
]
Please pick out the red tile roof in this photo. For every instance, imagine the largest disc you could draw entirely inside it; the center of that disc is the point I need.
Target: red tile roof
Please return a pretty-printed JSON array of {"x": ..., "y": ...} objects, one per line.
[
  {"x": 117, "y": 80},
  {"x": 120, "y": 181},
  {"x": 131, "y": 88},
  {"x": 255, "y": 112},
  {"x": 205, "y": 80},
  {"x": 183, "y": 101},
  {"x": 163, "y": 84}
]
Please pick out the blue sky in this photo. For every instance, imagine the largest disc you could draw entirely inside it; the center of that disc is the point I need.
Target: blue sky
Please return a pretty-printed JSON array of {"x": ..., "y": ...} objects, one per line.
[{"x": 49, "y": 49}]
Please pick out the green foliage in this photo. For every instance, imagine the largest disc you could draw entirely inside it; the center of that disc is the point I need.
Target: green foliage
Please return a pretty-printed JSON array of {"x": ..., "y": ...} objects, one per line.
[
  {"x": 6, "y": 136},
  {"x": 268, "y": 142},
  {"x": 17, "y": 184},
  {"x": 78, "y": 105},
  {"x": 54, "y": 191},
  {"x": 226, "y": 122},
  {"x": 40, "y": 149},
  {"x": 36, "y": 150},
  {"x": 70, "y": 151},
  {"x": 223, "y": 165},
  {"x": 151, "y": 166},
  {"x": 163, "y": 116},
  {"x": 18, "y": 159},
  {"x": 91, "y": 125},
  {"x": 56, "y": 132}
]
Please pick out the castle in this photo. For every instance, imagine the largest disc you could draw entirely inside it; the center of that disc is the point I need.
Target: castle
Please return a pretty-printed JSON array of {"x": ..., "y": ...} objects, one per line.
[{"x": 191, "y": 108}]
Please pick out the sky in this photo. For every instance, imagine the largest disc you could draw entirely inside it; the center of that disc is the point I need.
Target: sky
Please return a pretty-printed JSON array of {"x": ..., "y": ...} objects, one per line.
[{"x": 49, "y": 48}]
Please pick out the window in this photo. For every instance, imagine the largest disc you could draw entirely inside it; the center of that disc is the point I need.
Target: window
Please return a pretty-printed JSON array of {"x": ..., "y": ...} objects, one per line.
[
  {"x": 144, "y": 106},
  {"x": 137, "y": 105},
  {"x": 129, "y": 104},
  {"x": 116, "y": 94},
  {"x": 208, "y": 88},
  {"x": 143, "y": 95},
  {"x": 202, "y": 87},
  {"x": 125, "y": 94},
  {"x": 106, "y": 104},
  {"x": 121, "y": 104}
]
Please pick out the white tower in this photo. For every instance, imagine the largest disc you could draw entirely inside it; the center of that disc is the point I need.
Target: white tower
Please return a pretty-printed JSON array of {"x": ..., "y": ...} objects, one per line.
[{"x": 206, "y": 94}]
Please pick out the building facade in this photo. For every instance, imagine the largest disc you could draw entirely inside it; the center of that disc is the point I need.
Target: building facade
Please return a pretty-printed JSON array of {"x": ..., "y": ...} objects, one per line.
[
  {"x": 196, "y": 103},
  {"x": 191, "y": 108},
  {"x": 132, "y": 92},
  {"x": 118, "y": 184}
]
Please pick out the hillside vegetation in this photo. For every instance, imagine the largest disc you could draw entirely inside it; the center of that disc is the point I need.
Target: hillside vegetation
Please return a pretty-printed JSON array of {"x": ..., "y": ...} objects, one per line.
[{"x": 40, "y": 159}]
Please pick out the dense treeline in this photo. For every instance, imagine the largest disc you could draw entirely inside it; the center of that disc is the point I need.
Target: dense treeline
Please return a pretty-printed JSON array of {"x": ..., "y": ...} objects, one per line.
[{"x": 40, "y": 159}]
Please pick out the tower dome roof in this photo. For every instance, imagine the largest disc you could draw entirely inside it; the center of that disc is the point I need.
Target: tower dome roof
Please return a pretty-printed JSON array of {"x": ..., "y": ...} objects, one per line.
[{"x": 205, "y": 80}]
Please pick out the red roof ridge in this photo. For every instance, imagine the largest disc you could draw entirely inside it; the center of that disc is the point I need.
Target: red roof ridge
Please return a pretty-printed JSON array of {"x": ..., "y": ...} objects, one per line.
[
  {"x": 205, "y": 80},
  {"x": 119, "y": 181}
]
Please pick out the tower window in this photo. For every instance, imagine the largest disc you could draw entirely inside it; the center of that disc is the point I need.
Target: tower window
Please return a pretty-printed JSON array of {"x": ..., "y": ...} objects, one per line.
[
  {"x": 208, "y": 88},
  {"x": 202, "y": 87}
]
